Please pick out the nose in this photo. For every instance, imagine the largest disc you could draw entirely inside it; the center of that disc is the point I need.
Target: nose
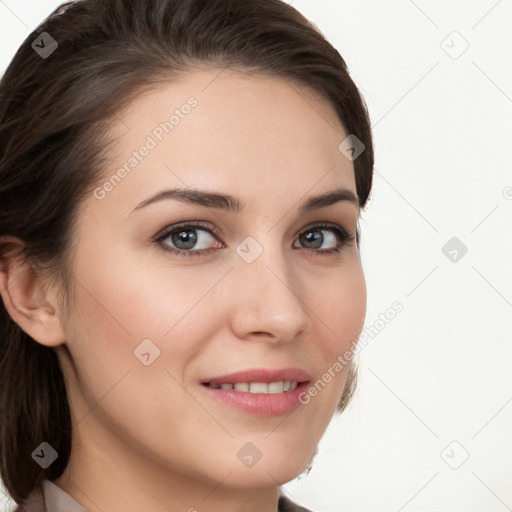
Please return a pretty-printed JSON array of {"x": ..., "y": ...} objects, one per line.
[{"x": 268, "y": 303}]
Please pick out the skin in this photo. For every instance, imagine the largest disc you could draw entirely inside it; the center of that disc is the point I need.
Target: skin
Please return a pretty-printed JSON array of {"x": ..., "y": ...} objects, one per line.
[{"x": 149, "y": 437}]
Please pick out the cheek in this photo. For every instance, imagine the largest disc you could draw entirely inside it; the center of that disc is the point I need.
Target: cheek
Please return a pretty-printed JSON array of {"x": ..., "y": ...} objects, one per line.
[
  {"x": 126, "y": 301},
  {"x": 118, "y": 306},
  {"x": 342, "y": 308},
  {"x": 137, "y": 298}
]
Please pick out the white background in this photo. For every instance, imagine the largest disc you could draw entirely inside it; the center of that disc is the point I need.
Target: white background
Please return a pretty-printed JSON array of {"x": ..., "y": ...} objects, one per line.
[{"x": 440, "y": 371}]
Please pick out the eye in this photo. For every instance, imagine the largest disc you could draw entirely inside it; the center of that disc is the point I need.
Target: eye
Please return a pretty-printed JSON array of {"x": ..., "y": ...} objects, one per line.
[
  {"x": 185, "y": 239},
  {"x": 337, "y": 237}
]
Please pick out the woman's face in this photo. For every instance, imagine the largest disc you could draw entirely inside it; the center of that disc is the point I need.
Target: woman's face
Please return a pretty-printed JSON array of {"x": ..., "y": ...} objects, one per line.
[{"x": 253, "y": 287}]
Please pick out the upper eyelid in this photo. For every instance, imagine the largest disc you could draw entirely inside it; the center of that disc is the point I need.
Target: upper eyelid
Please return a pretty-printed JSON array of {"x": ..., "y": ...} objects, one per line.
[{"x": 164, "y": 233}]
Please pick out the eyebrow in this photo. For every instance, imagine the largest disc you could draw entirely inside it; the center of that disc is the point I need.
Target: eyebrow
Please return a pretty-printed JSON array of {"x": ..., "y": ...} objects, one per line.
[{"x": 235, "y": 205}]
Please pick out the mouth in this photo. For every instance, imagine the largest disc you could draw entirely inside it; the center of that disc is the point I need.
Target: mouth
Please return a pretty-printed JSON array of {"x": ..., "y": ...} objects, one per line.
[
  {"x": 260, "y": 392},
  {"x": 256, "y": 387}
]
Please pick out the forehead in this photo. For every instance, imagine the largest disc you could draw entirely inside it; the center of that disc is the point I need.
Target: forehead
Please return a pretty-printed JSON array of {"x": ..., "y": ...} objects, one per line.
[{"x": 247, "y": 133}]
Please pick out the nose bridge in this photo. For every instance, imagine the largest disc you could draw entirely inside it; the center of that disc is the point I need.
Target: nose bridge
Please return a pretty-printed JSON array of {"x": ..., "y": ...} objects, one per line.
[{"x": 268, "y": 299}]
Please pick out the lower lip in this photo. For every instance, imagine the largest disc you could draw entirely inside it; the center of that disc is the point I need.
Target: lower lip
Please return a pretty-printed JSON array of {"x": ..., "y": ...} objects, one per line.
[{"x": 260, "y": 404}]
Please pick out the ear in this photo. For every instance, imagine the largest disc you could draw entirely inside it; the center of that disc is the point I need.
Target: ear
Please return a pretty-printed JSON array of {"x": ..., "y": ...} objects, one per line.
[{"x": 27, "y": 297}]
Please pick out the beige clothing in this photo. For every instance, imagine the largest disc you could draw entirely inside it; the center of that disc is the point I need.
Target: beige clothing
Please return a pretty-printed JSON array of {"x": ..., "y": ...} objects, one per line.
[{"x": 51, "y": 498}]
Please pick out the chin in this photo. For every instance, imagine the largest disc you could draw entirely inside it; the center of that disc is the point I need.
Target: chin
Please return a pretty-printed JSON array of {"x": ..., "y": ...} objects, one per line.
[
  {"x": 276, "y": 466},
  {"x": 263, "y": 477}
]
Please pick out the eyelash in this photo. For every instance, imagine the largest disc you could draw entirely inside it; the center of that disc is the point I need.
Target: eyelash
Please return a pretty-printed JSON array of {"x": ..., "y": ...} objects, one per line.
[{"x": 345, "y": 238}]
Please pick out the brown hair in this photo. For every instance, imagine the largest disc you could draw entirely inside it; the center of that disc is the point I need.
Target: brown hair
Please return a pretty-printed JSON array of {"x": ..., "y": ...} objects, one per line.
[{"x": 54, "y": 114}]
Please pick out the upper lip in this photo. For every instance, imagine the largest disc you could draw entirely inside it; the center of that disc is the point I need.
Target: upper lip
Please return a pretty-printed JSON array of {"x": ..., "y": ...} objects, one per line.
[{"x": 261, "y": 375}]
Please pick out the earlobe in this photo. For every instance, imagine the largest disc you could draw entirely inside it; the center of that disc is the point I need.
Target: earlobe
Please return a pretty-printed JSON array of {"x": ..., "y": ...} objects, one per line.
[{"x": 26, "y": 297}]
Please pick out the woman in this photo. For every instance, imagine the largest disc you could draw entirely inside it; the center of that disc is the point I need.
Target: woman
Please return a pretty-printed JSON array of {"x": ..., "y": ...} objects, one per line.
[{"x": 180, "y": 189}]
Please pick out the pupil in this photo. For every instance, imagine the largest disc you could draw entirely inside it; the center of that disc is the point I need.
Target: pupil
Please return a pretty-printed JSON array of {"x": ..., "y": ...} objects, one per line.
[
  {"x": 311, "y": 237},
  {"x": 186, "y": 237}
]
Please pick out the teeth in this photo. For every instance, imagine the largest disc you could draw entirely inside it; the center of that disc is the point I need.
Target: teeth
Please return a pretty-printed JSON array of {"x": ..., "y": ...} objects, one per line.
[{"x": 259, "y": 387}]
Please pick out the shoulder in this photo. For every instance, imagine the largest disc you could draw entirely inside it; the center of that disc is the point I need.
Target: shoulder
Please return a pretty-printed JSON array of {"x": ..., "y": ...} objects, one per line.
[{"x": 287, "y": 505}]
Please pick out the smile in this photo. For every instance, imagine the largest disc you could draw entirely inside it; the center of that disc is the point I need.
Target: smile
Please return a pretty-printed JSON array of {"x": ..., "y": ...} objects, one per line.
[{"x": 257, "y": 387}]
